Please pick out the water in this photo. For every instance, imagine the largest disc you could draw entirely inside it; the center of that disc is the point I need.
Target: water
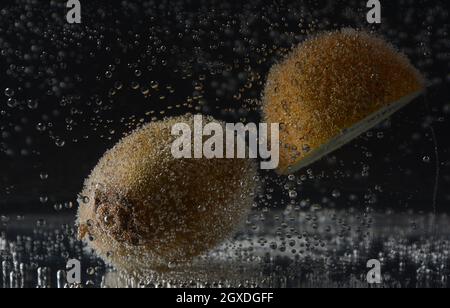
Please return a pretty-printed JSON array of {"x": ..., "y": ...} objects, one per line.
[
  {"x": 331, "y": 252},
  {"x": 70, "y": 92}
]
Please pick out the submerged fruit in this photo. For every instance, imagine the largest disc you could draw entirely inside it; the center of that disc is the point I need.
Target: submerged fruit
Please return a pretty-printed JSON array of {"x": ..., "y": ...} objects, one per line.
[
  {"x": 145, "y": 209},
  {"x": 333, "y": 87}
]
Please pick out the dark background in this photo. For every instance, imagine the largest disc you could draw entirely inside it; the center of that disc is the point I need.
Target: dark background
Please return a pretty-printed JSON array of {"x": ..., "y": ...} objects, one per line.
[{"x": 76, "y": 89}]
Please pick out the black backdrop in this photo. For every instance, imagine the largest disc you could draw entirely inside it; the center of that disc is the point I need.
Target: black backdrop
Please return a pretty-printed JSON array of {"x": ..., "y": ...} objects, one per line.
[{"x": 74, "y": 92}]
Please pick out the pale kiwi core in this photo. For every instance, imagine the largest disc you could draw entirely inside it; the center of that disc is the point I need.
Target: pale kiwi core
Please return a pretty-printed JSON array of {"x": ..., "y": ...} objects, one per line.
[
  {"x": 145, "y": 209},
  {"x": 332, "y": 88}
]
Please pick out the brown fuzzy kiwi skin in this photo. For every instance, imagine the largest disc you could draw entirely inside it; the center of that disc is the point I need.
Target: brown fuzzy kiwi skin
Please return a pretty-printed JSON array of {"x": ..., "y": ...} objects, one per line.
[
  {"x": 144, "y": 209},
  {"x": 330, "y": 82}
]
